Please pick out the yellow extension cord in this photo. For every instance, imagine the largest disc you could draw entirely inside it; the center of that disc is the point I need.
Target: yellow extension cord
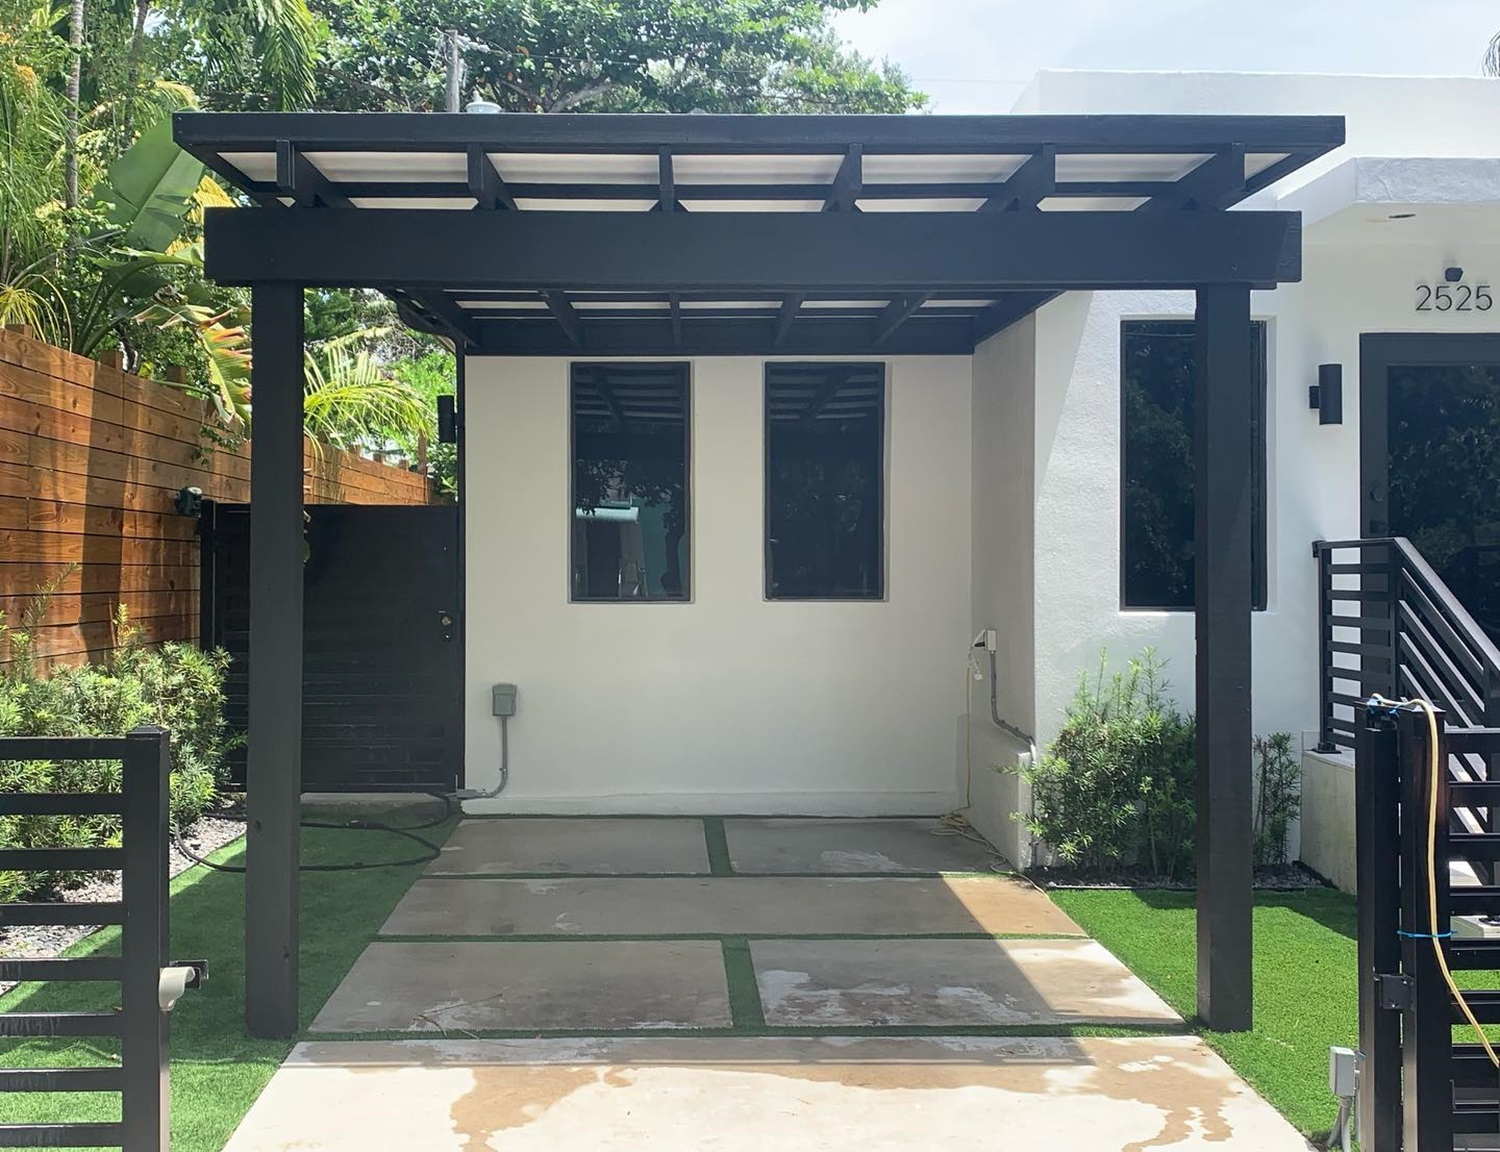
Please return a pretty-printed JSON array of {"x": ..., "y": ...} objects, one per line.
[{"x": 1434, "y": 767}]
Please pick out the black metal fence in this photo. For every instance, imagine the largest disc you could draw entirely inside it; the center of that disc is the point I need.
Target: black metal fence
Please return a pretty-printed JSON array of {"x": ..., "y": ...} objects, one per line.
[
  {"x": 1420, "y": 1091},
  {"x": 1388, "y": 624},
  {"x": 140, "y": 1021}
]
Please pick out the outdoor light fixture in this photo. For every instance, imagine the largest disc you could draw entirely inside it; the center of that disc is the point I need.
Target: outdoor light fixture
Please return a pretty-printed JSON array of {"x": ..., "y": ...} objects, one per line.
[
  {"x": 188, "y": 501},
  {"x": 1327, "y": 395}
]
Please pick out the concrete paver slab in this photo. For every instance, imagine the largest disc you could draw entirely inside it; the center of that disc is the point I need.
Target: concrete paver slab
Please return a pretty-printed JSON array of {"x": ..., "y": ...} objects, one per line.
[
  {"x": 591, "y": 985},
  {"x": 604, "y": 846},
  {"x": 1166, "y": 1094},
  {"x": 744, "y": 905},
  {"x": 942, "y": 983},
  {"x": 853, "y": 845}
]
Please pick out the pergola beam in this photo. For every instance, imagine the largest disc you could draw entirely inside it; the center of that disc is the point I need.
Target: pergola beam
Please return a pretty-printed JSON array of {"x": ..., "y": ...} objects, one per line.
[
  {"x": 1029, "y": 185},
  {"x": 566, "y": 316},
  {"x": 666, "y": 182},
  {"x": 786, "y": 316},
  {"x": 897, "y": 313},
  {"x": 856, "y": 252},
  {"x": 485, "y": 184}
]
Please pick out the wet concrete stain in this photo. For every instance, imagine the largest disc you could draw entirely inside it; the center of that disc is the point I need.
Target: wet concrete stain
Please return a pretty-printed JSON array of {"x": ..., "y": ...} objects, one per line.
[{"x": 1191, "y": 1096}]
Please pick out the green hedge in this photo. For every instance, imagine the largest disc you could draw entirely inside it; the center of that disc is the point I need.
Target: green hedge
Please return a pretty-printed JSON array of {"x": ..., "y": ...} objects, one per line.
[{"x": 176, "y": 687}]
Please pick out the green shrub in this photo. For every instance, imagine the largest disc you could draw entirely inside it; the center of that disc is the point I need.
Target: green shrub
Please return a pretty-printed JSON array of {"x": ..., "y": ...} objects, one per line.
[
  {"x": 1115, "y": 789},
  {"x": 176, "y": 687},
  {"x": 1278, "y": 796}
]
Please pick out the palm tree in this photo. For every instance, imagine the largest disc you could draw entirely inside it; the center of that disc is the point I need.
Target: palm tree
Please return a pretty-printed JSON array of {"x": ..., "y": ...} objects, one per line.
[{"x": 1491, "y": 63}]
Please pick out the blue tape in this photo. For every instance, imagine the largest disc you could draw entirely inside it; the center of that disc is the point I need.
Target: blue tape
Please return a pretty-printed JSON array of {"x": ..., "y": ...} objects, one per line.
[{"x": 1423, "y": 935}]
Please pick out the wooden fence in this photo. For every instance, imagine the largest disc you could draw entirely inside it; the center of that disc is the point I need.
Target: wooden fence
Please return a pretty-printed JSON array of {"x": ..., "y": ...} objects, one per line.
[{"x": 91, "y": 461}]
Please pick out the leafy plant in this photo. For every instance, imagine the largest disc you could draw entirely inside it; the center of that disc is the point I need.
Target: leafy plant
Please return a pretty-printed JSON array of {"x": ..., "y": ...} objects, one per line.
[
  {"x": 1278, "y": 796},
  {"x": 1116, "y": 787},
  {"x": 176, "y": 687}
]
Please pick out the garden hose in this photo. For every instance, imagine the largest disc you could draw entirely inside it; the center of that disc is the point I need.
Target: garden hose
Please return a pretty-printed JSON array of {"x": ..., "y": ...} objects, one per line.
[{"x": 431, "y": 851}]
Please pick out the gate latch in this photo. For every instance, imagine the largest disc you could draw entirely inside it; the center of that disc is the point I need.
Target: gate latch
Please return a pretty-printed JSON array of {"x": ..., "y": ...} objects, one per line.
[
  {"x": 177, "y": 979},
  {"x": 1393, "y": 991},
  {"x": 445, "y": 624}
]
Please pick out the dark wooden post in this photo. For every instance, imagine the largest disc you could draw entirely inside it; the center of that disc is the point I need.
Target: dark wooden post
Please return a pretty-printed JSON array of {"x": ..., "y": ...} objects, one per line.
[
  {"x": 273, "y": 775},
  {"x": 1225, "y": 392}
]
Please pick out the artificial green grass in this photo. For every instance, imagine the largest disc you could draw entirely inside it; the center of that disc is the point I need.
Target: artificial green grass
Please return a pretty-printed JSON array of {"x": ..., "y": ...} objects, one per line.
[
  {"x": 217, "y": 1072},
  {"x": 1306, "y": 989}
]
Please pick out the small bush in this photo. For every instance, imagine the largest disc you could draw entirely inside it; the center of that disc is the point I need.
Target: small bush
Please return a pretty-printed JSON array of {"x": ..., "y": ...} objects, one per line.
[
  {"x": 176, "y": 687},
  {"x": 1115, "y": 789},
  {"x": 1278, "y": 796}
]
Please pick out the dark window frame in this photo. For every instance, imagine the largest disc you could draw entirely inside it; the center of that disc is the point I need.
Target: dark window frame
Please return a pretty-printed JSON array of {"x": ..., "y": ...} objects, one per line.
[
  {"x": 685, "y": 368},
  {"x": 1260, "y": 528},
  {"x": 882, "y": 594}
]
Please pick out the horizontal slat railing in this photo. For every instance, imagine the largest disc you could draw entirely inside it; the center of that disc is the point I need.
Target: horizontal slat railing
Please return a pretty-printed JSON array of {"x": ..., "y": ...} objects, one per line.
[
  {"x": 138, "y": 1022},
  {"x": 1389, "y": 626}
]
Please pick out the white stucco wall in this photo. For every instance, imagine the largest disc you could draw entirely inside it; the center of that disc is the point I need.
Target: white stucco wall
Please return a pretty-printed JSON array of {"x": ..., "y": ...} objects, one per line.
[
  {"x": 1359, "y": 275},
  {"x": 728, "y": 703},
  {"x": 1004, "y": 449}
]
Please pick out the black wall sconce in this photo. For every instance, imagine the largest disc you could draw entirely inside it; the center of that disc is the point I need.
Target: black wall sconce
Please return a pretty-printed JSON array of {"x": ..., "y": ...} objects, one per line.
[
  {"x": 447, "y": 414},
  {"x": 1327, "y": 395}
]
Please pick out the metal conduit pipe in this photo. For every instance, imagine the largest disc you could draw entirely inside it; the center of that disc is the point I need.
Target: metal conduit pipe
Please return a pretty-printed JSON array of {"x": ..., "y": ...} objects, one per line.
[{"x": 985, "y": 640}]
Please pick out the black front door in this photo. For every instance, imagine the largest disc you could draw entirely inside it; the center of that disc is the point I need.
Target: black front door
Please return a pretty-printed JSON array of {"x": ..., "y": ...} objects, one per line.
[
  {"x": 382, "y": 664},
  {"x": 1430, "y": 456}
]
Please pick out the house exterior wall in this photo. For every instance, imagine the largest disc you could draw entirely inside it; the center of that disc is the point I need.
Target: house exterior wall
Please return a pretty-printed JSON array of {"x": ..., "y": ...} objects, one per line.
[
  {"x": 728, "y": 703},
  {"x": 1003, "y": 527},
  {"x": 1360, "y": 269}
]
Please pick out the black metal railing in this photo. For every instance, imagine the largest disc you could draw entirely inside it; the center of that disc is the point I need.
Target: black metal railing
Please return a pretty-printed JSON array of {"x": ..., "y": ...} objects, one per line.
[
  {"x": 1419, "y": 1090},
  {"x": 1388, "y": 624},
  {"x": 140, "y": 1021}
]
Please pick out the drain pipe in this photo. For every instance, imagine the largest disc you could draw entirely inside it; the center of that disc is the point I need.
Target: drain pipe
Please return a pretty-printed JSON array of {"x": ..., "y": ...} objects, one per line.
[{"x": 988, "y": 640}]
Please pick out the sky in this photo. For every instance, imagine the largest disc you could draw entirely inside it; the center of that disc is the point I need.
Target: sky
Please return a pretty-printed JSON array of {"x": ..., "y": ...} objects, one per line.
[{"x": 977, "y": 55}]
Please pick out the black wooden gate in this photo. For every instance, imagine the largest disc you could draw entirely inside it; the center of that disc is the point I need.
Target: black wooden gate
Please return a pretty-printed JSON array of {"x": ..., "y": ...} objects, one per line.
[{"x": 382, "y": 665}]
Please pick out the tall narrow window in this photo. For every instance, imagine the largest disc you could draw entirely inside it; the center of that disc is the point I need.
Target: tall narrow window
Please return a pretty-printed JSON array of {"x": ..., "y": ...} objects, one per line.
[
  {"x": 825, "y": 481},
  {"x": 629, "y": 514},
  {"x": 1158, "y": 365}
]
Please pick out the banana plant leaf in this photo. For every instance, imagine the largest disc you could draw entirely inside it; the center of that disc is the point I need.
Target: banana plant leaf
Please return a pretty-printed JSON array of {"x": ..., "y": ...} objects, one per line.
[{"x": 149, "y": 190}]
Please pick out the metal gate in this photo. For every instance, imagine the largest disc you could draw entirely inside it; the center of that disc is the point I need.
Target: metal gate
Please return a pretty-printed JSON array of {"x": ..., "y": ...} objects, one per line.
[
  {"x": 1419, "y": 1090},
  {"x": 382, "y": 664},
  {"x": 148, "y": 987}
]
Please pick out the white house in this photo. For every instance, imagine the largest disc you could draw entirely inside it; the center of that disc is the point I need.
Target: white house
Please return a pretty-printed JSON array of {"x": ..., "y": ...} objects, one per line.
[{"x": 1003, "y": 510}]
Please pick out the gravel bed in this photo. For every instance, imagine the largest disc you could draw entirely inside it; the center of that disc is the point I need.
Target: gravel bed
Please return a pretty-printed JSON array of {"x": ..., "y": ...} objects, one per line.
[{"x": 41, "y": 942}]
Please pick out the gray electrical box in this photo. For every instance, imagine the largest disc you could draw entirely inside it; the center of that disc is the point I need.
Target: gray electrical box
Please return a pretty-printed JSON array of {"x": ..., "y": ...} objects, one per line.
[{"x": 504, "y": 700}]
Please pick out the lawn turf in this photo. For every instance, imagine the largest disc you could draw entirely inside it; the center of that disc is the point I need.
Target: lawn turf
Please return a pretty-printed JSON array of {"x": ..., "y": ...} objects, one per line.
[
  {"x": 217, "y": 1072},
  {"x": 1306, "y": 989}
]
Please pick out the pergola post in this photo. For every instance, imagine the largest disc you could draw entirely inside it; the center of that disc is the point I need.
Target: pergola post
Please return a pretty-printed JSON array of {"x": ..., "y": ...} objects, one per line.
[
  {"x": 1223, "y": 400},
  {"x": 274, "y": 768}
]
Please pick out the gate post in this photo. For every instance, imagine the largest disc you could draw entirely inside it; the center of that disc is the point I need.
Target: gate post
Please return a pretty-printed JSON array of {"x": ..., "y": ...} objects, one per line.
[
  {"x": 145, "y": 939},
  {"x": 1427, "y": 1059},
  {"x": 1377, "y": 838}
]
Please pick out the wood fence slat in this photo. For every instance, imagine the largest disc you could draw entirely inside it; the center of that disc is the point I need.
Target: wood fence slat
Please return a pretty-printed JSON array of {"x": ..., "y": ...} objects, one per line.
[{"x": 101, "y": 579}]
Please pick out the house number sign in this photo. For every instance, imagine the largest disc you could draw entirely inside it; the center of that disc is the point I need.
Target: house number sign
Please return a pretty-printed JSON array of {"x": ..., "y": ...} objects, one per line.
[{"x": 1453, "y": 296}]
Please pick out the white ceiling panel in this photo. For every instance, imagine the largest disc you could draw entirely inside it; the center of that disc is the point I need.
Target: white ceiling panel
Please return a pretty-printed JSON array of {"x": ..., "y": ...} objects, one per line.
[
  {"x": 939, "y": 169},
  {"x": 935, "y": 204},
  {"x": 1127, "y": 166},
  {"x": 784, "y": 169},
  {"x": 259, "y": 166},
  {"x": 440, "y": 202},
  {"x": 751, "y": 205},
  {"x": 395, "y": 167},
  {"x": 575, "y": 168},
  {"x": 543, "y": 204},
  {"x": 1092, "y": 203}
]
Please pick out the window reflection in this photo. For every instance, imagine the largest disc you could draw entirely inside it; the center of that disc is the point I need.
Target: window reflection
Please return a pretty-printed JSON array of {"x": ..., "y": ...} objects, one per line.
[
  {"x": 630, "y": 482},
  {"x": 825, "y": 455}
]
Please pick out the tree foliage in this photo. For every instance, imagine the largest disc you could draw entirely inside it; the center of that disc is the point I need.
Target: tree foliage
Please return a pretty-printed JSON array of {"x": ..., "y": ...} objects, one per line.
[{"x": 607, "y": 56}]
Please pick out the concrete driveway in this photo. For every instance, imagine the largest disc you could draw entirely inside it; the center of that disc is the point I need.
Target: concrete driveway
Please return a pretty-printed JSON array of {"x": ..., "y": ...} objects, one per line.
[{"x": 742, "y": 984}]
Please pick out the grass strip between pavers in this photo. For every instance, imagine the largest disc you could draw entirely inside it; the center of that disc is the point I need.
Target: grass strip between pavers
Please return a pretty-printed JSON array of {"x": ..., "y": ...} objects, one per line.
[
  {"x": 217, "y": 1072},
  {"x": 719, "y": 863},
  {"x": 744, "y": 990}
]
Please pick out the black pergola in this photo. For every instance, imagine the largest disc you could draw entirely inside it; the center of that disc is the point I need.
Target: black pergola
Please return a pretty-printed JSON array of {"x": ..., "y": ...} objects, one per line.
[{"x": 697, "y": 235}]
